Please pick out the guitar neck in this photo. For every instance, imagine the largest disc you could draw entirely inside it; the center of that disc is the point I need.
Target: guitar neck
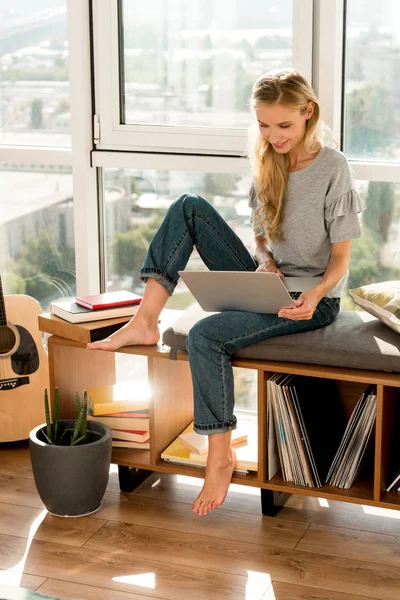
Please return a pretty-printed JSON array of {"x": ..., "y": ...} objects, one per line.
[{"x": 3, "y": 316}]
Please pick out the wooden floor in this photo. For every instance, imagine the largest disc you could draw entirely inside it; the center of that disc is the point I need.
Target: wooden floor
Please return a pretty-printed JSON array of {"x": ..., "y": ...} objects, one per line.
[{"x": 148, "y": 544}]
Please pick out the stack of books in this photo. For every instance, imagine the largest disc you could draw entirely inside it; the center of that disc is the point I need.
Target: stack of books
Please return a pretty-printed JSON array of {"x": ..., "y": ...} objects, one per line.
[
  {"x": 98, "y": 307},
  {"x": 126, "y": 416},
  {"x": 296, "y": 414},
  {"x": 191, "y": 448}
]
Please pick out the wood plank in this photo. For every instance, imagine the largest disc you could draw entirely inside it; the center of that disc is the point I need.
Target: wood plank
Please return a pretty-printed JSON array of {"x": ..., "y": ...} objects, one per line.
[
  {"x": 307, "y": 509},
  {"x": 119, "y": 572},
  {"x": 179, "y": 548},
  {"x": 20, "y": 580},
  {"x": 334, "y": 541},
  {"x": 72, "y": 591},
  {"x": 180, "y": 488},
  {"x": 18, "y": 520},
  {"x": 340, "y": 373},
  {"x": 339, "y": 514},
  {"x": 172, "y": 393},
  {"x": 223, "y": 524},
  {"x": 176, "y": 582},
  {"x": 16, "y": 461},
  {"x": 22, "y": 491},
  {"x": 285, "y": 591},
  {"x": 19, "y": 490}
]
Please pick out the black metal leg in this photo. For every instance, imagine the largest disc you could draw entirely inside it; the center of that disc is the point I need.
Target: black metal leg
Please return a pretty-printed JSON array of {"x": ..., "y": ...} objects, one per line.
[
  {"x": 129, "y": 477},
  {"x": 272, "y": 502}
]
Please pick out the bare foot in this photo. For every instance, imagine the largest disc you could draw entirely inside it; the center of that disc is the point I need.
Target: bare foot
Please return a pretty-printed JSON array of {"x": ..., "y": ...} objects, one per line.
[
  {"x": 135, "y": 333},
  {"x": 216, "y": 484}
]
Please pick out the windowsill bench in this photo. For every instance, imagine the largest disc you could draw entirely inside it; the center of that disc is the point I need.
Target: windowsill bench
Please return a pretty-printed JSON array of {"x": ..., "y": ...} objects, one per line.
[{"x": 355, "y": 351}]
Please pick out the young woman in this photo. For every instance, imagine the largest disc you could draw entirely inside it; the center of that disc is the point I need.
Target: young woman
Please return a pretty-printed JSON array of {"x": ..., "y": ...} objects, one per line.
[{"x": 304, "y": 214}]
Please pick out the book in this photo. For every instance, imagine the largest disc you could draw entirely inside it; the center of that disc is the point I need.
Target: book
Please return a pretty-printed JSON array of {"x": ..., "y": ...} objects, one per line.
[
  {"x": 130, "y": 435},
  {"x": 108, "y": 300},
  {"x": 296, "y": 408},
  {"x": 126, "y": 423},
  {"x": 199, "y": 443},
  {"x": 347, "y": 461},
  {"x": 121, "y": 397},
  {"x": 126, "y": 444},
  {"x": 73, "y": 313},
  {"x": 247, "y": 456}
]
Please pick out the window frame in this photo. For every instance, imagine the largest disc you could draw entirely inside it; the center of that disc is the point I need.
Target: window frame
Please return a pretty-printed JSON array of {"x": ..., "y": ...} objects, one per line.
[{"x": 172, "y": 139}]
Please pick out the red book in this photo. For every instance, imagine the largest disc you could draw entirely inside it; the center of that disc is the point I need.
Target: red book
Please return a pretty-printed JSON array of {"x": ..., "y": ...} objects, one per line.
[
  {"x": 130, "y": 435},
  {"x": 108, "y": 300}
]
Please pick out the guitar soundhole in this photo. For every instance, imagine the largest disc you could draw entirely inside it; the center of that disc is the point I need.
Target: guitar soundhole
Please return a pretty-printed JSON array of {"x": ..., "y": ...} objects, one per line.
[{"x": 7, "y": 339}]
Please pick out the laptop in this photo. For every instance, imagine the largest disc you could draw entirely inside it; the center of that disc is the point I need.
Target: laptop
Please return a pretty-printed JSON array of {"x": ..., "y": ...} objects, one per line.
[{"x": 217, "y": 291}]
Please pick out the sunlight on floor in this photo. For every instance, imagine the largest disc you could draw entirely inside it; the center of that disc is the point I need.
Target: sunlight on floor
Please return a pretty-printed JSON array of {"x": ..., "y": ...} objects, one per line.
[
  {"x": 381, "y": 512},
  {"x": 257, "y": 584},
  {"x": 14, "y": 575},
  {"x": 195, "y": 482},
  {"x": 147, "y": 580},
  {"x": 270, "y": 595},
  {"x": 323, "y": 502}
]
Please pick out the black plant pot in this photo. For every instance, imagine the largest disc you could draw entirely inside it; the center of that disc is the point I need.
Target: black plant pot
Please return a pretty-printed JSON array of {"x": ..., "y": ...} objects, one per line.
[{"x": 71, "y": 480}]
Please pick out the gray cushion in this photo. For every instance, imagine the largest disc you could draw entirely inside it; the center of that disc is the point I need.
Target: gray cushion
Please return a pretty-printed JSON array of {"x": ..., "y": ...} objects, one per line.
[{"x": 355, "y": 340}]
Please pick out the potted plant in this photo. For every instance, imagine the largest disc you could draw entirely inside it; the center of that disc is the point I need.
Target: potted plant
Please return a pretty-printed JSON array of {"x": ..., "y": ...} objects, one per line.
[{"x": 70, "y": 460}]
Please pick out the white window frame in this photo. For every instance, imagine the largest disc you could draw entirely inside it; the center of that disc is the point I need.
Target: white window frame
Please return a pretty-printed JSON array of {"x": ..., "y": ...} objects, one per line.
[{"x": 200, "y": 140}]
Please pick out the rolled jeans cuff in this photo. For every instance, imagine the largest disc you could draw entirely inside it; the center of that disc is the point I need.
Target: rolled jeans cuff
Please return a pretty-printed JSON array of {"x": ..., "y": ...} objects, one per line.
[
  {"x": 162, "y": 278},
  {"x": 210, "y": 428}
]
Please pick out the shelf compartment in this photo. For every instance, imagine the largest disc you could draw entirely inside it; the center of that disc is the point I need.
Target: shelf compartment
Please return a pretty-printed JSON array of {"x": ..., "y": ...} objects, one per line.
[
  {"x": 340, "y": 395},
  {"x": 131, "y": 457},
  {"x": 361, "y": 490},
  {"x": 387, "y": 457}
]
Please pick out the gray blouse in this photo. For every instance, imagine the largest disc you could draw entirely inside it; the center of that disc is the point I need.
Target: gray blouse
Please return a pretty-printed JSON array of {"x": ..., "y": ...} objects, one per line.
[{"x": 321, "y": 208}]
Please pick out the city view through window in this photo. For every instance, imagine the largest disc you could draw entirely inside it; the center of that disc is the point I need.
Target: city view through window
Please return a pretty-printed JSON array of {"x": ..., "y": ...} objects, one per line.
[
  {"x": 187, "y": 68},
  {"x": 34, "y": 88}
]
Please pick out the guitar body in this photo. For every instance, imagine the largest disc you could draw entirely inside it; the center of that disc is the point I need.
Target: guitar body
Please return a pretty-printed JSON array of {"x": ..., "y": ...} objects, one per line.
[{"x": 24, "y": 372}]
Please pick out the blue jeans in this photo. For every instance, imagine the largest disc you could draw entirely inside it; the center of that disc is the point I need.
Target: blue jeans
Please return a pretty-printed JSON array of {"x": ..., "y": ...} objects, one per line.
[{"x": 192, "y": 221}]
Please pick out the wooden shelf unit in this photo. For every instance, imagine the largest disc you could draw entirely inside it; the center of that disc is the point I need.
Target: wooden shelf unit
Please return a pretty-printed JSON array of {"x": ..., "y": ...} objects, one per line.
[{"x": 73, "y": 367}]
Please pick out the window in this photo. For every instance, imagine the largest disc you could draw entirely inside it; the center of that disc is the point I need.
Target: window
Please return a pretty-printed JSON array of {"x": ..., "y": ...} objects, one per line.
[
  {"x": 376, "y": 256},
  {"x": 177, "y": 75},
  {"x": 193, "y": 63},
  {"x": 34, "y": 103},
  {"x": 136, "y": 201},
  {"x": 37, "y": 254},
  {"x": 372, "y": 81}
]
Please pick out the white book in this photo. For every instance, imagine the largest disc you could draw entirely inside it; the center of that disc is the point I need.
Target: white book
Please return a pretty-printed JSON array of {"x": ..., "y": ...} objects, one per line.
[
  {"x": 73, "y": 313},
  {"x": 198, "y": 444}
]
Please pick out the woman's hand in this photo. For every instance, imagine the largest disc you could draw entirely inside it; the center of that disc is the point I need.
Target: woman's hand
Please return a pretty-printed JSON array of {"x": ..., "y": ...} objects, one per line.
[
  {"x": 269, "y": 266},
  {"x": 306, "y": 305}
]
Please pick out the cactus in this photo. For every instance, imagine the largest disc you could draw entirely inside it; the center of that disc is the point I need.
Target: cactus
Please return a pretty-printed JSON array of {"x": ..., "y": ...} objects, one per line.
[{"x": 52, "y": 429}]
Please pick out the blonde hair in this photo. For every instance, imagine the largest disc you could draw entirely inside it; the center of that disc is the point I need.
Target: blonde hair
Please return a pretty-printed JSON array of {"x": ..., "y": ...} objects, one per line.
[{"x": 287, "y": 88}]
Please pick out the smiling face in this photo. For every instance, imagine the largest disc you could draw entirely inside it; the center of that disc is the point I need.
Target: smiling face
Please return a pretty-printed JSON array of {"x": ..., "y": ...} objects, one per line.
[{"x": 283, "y": 127}]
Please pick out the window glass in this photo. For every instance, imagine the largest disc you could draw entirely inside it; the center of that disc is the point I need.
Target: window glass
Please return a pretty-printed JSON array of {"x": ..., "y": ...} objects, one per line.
[
  {"x": 372, "y": 80},
  {"x": 193, "y": 63},
  {"x": 34, "y": 88},
  {"x": 37, "y": 255},
  {"x": 136, "y": 201},
  {"x": 376, "y": 256}
]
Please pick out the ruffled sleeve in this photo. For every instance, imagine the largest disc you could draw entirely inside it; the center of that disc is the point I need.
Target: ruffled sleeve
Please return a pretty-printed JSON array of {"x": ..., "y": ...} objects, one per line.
[
  {"x": 253, "y": 204},
  {"x": 347, "y": 204},
  {"x": 343, "y": 205}
]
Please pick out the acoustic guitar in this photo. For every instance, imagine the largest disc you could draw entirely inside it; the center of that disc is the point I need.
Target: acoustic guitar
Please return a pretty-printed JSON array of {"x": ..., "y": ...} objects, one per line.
[{"x": 24, "y": 372}]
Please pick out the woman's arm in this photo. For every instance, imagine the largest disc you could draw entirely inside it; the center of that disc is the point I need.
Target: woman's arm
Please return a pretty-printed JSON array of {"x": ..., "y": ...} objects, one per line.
[
  {"x": 306, "y": 304},
  {"x": 264, "y": 258}
]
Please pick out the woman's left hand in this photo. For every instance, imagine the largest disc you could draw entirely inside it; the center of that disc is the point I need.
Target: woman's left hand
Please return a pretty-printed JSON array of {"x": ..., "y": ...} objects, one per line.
[{"x": 306, "y": 305}]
